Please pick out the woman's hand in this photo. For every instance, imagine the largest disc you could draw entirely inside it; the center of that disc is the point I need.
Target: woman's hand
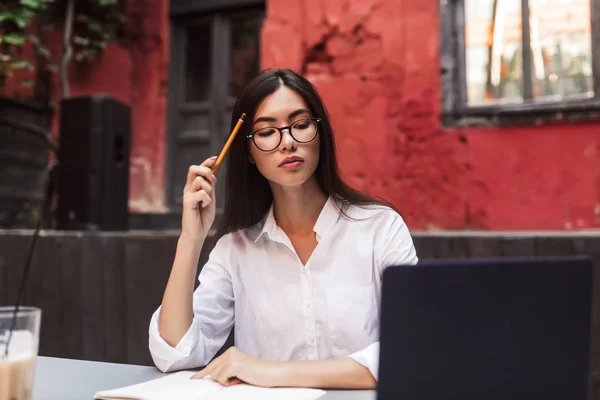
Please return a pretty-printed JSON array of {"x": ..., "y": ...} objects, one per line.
[
  {"x": 199, "y": 201},
  {"x": 234, "y": 366}
]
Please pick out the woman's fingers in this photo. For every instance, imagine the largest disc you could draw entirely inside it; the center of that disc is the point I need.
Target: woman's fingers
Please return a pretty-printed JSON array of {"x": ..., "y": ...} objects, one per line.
[
  {"x": 200, "y": 183},
  {"x": 205, "y": 372},
  {"x": 201, "y": 170},
  {"x": 216, "y": 372},
  {"x": 222, "y": 375},
  {"x": 234, "y": 381},
  {"x": 201, "y": 197}
]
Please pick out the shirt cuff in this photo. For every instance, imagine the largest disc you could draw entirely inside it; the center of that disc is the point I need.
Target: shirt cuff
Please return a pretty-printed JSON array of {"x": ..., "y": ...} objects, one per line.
[
  {"x": 165, "y": 355},
  {"x": 369, "y": 358}
]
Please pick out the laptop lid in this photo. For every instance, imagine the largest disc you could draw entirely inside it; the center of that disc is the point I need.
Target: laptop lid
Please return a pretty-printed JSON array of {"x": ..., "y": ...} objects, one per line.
[{"x": 486, "y": 329}]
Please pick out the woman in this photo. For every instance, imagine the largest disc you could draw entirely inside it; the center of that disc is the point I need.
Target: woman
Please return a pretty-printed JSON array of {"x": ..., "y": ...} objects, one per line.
[{"x": 298, "y": 261}]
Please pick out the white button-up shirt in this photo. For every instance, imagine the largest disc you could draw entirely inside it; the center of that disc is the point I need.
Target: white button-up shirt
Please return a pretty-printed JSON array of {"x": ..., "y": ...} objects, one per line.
[{"x": 283, "y": 310}]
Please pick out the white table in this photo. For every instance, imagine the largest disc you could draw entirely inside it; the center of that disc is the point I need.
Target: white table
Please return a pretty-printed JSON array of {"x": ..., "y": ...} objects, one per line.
[{"x": 65, "y": 379}]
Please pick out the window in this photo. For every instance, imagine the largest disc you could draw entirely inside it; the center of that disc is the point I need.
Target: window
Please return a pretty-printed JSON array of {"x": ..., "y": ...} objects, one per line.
[{"x": 520, "y": 61}]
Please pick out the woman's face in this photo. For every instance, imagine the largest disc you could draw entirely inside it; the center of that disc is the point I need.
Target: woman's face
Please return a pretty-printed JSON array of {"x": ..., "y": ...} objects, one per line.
[{"x": 292, "y": 162}]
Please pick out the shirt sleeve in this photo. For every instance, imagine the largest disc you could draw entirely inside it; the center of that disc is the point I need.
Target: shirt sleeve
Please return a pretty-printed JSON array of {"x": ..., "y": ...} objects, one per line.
[
  {"x": 213, "y": 306},
  {"x": 369, "y": 358},
  {"x": 393, "y": 246}
]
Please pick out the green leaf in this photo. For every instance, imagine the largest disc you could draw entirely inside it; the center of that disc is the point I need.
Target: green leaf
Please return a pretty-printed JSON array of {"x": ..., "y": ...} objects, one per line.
[
  {"x": 36, "y": 4},
  {"x": 44, "y": 52},
  {"x": 52, "y": 68},
  {"x": 13, "y": 38},
  {"x": 95, "y": 27},
  {"x": 82, "y": 18},
  {"x": 32, "y": 3},
  {"x": 23, "y": 64},
  {"x": 106, "y": 3},
  {"x": 82, "y": 41},
  {"x": 19, "y": 18},
  {"x": 85, "y": 55},
  {"x": 27, "y": 83},
  {"x": 26, "y": 14},
  {"x": 34, "y": 40}
]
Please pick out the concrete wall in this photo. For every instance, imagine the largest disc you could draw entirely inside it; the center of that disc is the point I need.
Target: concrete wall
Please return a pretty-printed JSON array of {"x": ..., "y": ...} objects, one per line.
[{"x": 377, "y": 65}]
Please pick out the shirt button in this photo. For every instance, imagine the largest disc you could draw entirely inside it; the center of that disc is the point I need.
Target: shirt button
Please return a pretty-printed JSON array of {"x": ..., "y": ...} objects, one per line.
[
  {"x": 307, "y": 304},
  {"x": 311, "y": 339}
]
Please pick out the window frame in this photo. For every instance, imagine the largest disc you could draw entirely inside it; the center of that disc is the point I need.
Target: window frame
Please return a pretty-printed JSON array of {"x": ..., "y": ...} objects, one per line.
[
  {"x": 456, "y": 112},
  {"x": 185, "y": 13},
  {"x": 182, "y": 8}
]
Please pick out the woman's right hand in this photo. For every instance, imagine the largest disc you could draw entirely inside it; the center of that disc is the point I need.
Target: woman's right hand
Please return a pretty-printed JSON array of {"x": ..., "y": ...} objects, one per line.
[{"x": 199, "y": 201}]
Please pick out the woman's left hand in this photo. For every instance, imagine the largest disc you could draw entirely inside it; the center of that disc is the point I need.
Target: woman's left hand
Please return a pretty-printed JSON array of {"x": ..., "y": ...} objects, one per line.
[{"x": 234, "y": 366}]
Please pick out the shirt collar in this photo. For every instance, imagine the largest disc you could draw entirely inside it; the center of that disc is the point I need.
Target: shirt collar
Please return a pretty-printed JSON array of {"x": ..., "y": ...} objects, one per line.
[{"x": 327, "y": 219}]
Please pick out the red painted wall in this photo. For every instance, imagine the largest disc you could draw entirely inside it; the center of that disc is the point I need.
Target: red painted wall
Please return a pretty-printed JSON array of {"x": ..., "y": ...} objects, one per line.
[
  {"x": 377, "y": 65},
  {"x": 135, "y": 74}
]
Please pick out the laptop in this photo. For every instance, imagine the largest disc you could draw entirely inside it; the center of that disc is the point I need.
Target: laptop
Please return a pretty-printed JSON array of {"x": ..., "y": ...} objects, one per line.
[{"x": 505, "y": 328}]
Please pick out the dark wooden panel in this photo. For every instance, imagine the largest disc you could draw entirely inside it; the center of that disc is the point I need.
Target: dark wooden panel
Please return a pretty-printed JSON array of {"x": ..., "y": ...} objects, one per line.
[
  {"x": 147, "y": 265},
  {"x": 12, "y": 261},
  {"x": 115, "y": 317},
  {"x": 13, "y": 254},
  {"x": 44, "y": 290},
  {"x": 554, "y": 246},
  {"x": 516, "y": 246},
  {"x": 92, "y": 301},
  {"x": 431, "y": 247},
  {"x": 484, "y": 246},
  {"x": 423, "y": 245},
  {"x": 69, "y": 256},
  {"x": 4, "y": 270}
]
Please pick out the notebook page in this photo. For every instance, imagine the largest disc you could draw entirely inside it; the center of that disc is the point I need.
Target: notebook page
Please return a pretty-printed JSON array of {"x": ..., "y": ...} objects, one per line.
[
  {"x": 174, "y": 386},
  {"x": 247, "y": 392},
  {"x": 180, "y": 386}
]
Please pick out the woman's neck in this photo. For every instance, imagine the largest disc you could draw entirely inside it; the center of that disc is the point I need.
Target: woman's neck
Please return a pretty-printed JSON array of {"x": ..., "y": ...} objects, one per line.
[{"x": 297, "y": 209}]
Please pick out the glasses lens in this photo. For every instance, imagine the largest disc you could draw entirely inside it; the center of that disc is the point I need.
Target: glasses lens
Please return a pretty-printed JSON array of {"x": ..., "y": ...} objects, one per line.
[
  {"x": 267, "y": 138},
  {"x": 304, "y": 130}
]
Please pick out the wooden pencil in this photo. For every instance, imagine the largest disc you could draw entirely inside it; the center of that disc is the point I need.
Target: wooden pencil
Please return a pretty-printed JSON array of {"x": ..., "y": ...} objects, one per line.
[{"x": 228, "y": 144}]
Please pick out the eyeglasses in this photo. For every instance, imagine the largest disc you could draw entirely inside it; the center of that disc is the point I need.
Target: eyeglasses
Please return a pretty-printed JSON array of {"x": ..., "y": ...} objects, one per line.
[{"x": 269, "y": 138}]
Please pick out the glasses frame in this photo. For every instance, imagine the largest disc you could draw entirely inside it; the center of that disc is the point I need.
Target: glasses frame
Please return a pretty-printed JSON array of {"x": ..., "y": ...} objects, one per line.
[{"x": 289, "y": 128}]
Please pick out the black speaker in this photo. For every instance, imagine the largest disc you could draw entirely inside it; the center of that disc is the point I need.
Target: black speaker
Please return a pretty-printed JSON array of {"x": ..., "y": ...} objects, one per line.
[{"x": 93, "y": 164}]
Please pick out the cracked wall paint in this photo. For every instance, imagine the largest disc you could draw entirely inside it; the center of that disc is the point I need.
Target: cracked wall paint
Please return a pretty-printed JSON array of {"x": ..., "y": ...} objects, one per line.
[
  {"x": 389, "y": 143},
  {"x": 377, "y": 66}
]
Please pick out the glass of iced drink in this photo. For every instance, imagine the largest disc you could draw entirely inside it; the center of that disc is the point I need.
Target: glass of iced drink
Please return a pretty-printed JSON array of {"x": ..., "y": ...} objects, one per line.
[{"x": 17, "y": 363}]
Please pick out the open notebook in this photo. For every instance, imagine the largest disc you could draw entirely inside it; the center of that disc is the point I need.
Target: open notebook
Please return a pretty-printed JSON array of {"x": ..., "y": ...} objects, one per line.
[{"x": 180, "y": 386}]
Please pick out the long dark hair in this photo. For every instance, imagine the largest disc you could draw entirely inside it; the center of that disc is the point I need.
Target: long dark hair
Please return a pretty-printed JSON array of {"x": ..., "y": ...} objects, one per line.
[{"x": 248, "y": 195}]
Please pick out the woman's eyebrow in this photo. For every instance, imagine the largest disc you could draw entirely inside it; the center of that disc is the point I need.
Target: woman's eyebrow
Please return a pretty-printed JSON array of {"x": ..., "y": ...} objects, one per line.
[{"x": 290, "y": 116}]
